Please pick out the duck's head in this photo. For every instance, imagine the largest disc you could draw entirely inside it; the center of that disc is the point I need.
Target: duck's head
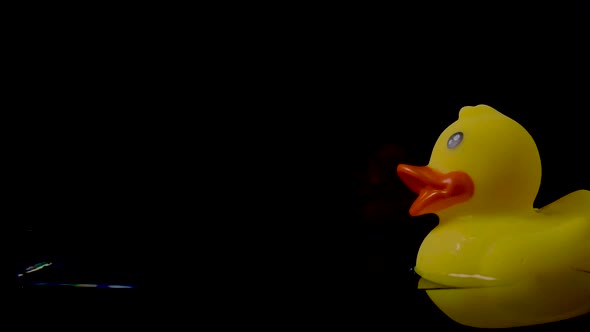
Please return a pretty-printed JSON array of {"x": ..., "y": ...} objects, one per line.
[{"x": 483, "y": 163}]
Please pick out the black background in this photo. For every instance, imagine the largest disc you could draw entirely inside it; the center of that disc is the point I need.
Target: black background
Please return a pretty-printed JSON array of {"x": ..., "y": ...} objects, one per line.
[{"x": 125, "y": 138}]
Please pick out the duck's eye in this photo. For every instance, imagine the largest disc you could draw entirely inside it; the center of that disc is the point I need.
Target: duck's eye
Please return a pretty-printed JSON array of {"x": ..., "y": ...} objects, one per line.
[{"x": 455, "y": 139}]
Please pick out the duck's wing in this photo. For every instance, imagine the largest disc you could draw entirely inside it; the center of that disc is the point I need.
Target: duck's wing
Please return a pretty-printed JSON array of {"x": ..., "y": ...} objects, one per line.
[
  {"x": 575, "y": 204},
  {"x": 583, "y": 264},
  {"x": 582, "y": 268}
]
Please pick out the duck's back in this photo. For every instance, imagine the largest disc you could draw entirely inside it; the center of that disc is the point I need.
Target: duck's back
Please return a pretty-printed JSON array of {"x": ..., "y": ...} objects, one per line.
[{"x": 576, "y": 204}]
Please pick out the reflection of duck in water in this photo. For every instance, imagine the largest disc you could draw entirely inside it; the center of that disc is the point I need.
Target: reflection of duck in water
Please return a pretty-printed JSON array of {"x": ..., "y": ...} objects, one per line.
[
  {"x": 493, "y": 260},
  {"x": 34, "y": 268},
  {"x": 43, "y": 265}
]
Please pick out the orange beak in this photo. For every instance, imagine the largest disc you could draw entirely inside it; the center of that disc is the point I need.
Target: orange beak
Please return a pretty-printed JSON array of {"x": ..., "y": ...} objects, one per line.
[{"x": 436, "y": 191}]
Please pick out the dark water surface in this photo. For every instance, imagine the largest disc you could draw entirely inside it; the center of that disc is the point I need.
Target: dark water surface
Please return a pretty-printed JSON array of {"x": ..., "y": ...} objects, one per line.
[{"x": 140, "y": 176}]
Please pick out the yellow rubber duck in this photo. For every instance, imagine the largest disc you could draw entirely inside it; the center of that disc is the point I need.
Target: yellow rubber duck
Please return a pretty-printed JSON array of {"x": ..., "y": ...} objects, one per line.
[{"x": 494, "y": 261}]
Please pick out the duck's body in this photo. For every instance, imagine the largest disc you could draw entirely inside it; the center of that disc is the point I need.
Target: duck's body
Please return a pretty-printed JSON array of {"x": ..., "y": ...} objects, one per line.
[
  {"x": 508, "y": 271},
  {"x": 509, "y": 247},
  {"x": 495, "y": 261}
]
